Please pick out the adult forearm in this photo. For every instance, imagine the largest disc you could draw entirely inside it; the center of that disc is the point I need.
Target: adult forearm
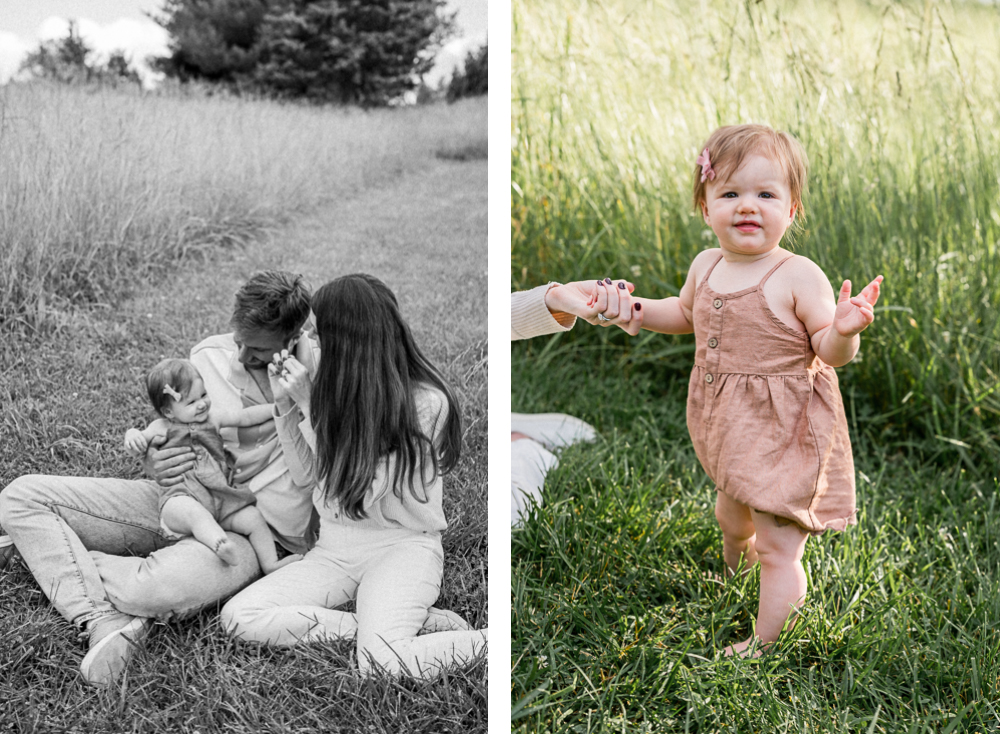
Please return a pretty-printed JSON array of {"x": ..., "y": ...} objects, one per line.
[
  {"x": 530, "y": 316},
  {"x": 294, "y": 434}
]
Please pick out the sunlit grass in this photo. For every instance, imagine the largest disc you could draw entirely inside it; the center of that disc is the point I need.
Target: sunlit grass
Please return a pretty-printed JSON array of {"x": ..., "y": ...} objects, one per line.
[
  {"x": 895, "y": 105},
  {"x": 617, "y": 611}
]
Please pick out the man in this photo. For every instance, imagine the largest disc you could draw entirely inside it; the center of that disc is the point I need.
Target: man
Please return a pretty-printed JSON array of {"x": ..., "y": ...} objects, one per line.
[{"x": 74, "y": 532}]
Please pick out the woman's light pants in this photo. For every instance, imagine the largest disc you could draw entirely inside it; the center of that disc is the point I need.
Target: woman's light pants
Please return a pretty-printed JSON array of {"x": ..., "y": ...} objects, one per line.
[
  {"x": 529, "y": 463},
  {"x": 394, "y": 576}
]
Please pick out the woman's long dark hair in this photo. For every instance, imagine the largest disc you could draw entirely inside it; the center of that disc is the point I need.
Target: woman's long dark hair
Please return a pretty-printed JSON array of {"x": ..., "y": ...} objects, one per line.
[{"x": 363, "y": 400}]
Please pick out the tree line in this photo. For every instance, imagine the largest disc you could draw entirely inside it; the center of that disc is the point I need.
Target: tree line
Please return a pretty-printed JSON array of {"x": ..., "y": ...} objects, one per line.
[{"x": 364, "y": 52}]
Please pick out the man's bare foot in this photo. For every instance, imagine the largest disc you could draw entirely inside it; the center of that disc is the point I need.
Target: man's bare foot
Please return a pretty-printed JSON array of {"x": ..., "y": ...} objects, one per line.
[
  {"x": 291, "y": 558},
  {"x": 225, "y": 550},
  {"x": 751, "y": 647}
]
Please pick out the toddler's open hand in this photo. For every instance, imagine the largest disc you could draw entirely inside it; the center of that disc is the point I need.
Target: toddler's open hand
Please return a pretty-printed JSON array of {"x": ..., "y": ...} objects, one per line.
[
  {"x": 135, "y": 442},
  {"x": 854, "y": 315}
]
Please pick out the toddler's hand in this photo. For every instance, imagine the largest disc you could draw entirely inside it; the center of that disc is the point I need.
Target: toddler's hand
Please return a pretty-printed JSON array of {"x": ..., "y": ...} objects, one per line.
[
  {"x": 854, "y": 315},
  {"x": 135, "y": 442}
]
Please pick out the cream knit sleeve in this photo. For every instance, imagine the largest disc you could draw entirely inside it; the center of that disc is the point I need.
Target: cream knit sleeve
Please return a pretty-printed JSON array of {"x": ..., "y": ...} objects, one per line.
[{"x": 529, "y": 316}]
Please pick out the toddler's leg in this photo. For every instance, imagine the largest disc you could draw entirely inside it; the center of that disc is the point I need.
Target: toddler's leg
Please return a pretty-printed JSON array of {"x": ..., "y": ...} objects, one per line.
[
  {"x": 187, "y": 516},
  {"x": 738, "y": 532},
  {"x": 251, "y": 523},
  {"x": 780, "y": 545}
]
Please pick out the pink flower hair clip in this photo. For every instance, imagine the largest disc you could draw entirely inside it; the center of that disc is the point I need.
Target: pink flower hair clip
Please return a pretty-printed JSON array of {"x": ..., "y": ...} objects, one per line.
[{"x": 707, "y": 172}]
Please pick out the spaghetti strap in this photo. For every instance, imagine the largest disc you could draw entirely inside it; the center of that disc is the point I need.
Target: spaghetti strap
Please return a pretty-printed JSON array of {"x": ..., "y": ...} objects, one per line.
[
  {"x": 770, "y": 272},
  {"x": 711, "y": 267}
]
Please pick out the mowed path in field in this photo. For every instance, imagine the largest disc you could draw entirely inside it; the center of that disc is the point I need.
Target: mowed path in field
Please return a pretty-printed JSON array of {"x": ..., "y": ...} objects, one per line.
[{"x": 424, "y": 235}]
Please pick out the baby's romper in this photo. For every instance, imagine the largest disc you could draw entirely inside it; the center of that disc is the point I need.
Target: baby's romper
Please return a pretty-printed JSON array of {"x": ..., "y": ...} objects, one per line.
[
  {"x": 209, "y": 480},
  {"x": 765, "y": 413}
]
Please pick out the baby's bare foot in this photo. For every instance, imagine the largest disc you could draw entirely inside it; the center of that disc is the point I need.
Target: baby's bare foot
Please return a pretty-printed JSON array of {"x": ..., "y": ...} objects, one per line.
[
  {"x": 270, "y": 568},
  {"x": 225, "y": 550}
]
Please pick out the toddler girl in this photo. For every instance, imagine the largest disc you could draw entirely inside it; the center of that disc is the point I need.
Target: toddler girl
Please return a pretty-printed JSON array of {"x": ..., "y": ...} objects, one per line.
[
  {"x": 386, "y": 430},
  {"x": 764, "y": 408},
  {"x": 205, "y": 504}
]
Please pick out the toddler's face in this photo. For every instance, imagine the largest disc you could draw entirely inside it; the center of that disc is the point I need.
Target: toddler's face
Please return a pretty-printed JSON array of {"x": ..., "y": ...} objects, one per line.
[
  {"x": 193, "y": 407},
  {"x": 750, "y": 211}
]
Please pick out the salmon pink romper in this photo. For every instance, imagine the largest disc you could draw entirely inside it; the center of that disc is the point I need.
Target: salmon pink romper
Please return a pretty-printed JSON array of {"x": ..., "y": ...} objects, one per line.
[{"x": 765, "y": 413}]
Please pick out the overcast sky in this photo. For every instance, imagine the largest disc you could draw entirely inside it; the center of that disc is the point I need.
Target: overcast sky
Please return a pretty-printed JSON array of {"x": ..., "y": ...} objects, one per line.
[{"x": 108, "y": 25}]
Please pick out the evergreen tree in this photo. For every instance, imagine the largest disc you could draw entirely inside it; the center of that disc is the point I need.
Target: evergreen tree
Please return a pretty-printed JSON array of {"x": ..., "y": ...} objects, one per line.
[
  {"x": 362, "y": 51},
  {"x": 367, "y": 52},
  {"x": 211, "y": 40},
  {"x": 472, "y": 80}
]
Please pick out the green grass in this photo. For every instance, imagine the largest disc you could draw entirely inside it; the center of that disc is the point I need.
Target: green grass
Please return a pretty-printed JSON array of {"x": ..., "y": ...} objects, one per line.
[
  {"x": 617, "y": 615},
  {"x": 895, "y": 105},
  {"x": 71, "y": 386}
]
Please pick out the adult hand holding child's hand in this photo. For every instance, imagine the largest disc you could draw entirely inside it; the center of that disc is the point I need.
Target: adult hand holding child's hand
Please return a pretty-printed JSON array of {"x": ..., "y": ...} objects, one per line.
[
  {"x": 613, "y": 303},
  {"x": 591, "y": 300},
  {"x": 854, "y": 315}
]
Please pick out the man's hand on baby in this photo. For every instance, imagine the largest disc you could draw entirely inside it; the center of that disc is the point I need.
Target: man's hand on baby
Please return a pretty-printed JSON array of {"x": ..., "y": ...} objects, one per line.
[
  {"x": 135, "y": 442},
  {"x": 854, "y": 315},
  {"x": 167, "y": 467}
]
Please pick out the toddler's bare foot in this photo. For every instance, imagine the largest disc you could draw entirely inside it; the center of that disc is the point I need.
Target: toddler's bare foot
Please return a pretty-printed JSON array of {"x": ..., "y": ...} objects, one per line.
[
  {"x": 225, "y": 550},
  {"x": 715, "y": 578},
  {"x": 272, "y": 567},
  {"x": 751, "y": 647}
]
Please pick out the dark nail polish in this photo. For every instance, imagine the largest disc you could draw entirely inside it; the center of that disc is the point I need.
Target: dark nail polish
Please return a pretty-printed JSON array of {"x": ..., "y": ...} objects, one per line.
[
  {"x": 608, "y": 281},
  {"x": 621, "y": 285},
  {"x": 600, "y": 282},
  {"x": 638, "y": 307}
]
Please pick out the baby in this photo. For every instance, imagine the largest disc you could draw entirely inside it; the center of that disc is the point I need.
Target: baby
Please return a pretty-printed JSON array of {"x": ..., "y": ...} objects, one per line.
[
  {"x": 764, "y": 408},
  {"x": 206, "y": 503}
]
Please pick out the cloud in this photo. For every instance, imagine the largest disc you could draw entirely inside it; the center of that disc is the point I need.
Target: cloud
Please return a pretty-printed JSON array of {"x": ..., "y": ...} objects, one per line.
[
  {"x": 452, "y": 56},
  {"x": 138, "y": 39},
  {"x": 13, "y": 49}
]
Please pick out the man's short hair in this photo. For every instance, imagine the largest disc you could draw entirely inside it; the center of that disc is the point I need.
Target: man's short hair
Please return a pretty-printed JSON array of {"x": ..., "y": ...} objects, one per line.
[{"x": 273, "y": 301}]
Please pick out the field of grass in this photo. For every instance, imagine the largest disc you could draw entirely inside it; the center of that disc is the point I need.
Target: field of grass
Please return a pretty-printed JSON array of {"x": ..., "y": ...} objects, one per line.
[
  {"x": 616, "y": 619},
  {"x": 413, "y": 213},
  {"x": 102, "y": 189}
]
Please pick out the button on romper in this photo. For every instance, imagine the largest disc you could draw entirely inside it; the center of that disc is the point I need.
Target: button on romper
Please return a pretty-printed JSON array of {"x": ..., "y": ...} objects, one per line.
[{"x": 765, "y": 413}]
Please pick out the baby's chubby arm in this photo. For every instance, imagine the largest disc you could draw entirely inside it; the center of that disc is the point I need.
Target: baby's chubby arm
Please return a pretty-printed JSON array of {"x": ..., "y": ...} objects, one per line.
[
  {"x": 245, "y": 417},
  {"x": 137, "y": 441},
  {"x": 834, "y": 326},
  {"x": 670, "y": 315}
]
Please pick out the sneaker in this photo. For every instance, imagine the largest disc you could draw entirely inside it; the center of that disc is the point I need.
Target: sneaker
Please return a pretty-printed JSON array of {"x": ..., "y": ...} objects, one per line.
[
  {"x": 552, "y": 430},
  {"x": 107, "y": 657},
  {"x": 6, "y": 550}
]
